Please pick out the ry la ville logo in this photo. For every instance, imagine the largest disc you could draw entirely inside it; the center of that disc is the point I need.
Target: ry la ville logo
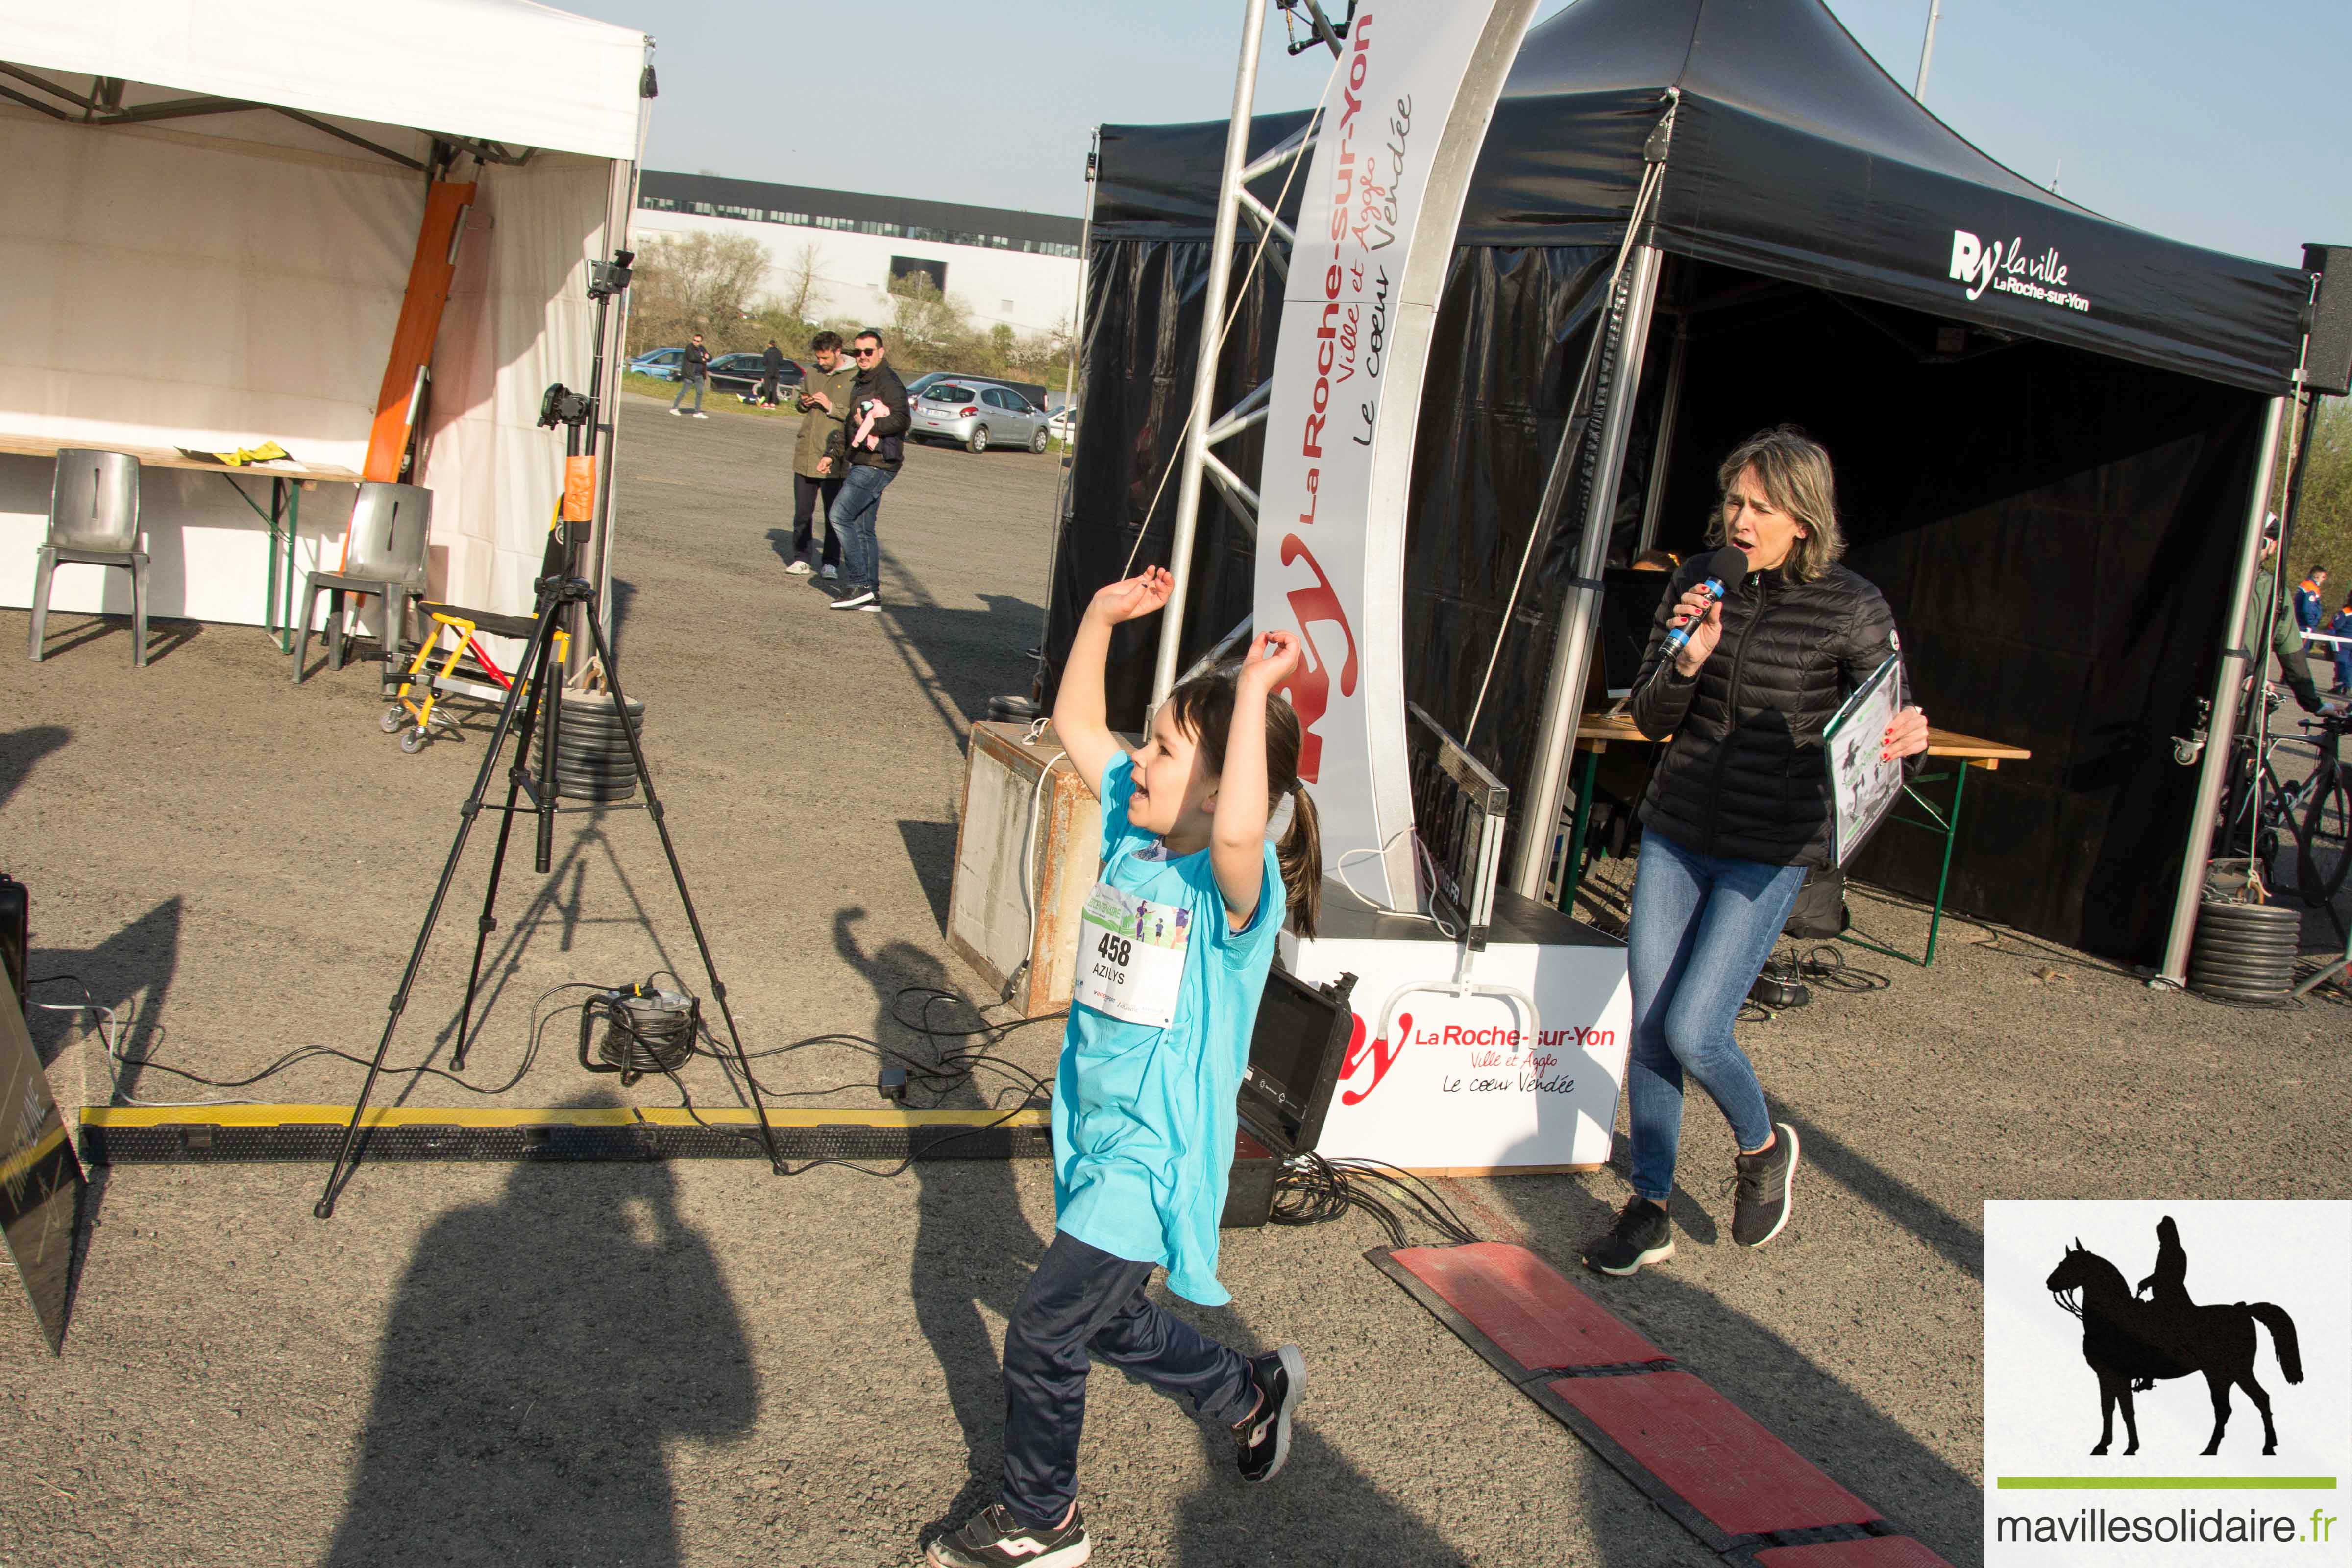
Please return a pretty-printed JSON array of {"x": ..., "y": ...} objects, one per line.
[{"x": 2007, "y": 268}]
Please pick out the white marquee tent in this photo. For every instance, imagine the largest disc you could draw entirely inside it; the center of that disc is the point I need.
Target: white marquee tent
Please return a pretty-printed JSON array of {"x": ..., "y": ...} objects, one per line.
[{"x": 211, "y": 215}]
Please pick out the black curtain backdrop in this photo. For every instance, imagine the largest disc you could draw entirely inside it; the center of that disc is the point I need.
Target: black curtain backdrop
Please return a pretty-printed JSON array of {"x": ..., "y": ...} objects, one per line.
[
  {"x": 2049, "y": 525},
  {"x": 1144, "y": 300},
  {"x": 2053, "y": 530}
]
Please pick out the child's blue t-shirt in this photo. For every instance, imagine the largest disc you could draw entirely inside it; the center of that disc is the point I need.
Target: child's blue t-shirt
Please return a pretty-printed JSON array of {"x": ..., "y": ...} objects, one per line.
[{"x": 1144, "y": 1116}]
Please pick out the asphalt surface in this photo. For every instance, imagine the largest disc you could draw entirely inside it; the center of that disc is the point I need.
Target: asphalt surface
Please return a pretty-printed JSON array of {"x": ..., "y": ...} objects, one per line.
[{"x": 704, "y": 1364}]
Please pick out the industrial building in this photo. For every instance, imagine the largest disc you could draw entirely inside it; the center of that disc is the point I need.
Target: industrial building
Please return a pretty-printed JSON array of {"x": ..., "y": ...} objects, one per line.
[{"x": 1016, "y": 268}]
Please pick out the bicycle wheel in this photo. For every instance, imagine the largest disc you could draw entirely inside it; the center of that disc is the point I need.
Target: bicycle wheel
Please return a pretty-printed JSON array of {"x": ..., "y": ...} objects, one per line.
[{"x": 2322, "y": 853}]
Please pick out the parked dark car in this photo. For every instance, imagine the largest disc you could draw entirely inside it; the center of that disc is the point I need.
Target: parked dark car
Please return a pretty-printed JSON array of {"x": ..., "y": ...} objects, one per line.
[{"x": 742, "y": 372}]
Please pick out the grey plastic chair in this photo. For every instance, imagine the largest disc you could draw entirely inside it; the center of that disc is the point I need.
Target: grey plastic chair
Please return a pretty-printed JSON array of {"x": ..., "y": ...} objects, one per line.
[
  {"x": 389, "y": 526},
  {"x": 94, "y": 518}
]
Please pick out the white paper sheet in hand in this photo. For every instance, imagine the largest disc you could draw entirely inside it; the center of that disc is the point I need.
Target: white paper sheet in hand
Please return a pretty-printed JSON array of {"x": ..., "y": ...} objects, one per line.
[{"x": 1862, "y": 786}]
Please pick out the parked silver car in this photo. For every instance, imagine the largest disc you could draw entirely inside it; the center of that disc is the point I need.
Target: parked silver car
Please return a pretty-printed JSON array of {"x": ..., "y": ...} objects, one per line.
[{"x": 976, "y": 415}]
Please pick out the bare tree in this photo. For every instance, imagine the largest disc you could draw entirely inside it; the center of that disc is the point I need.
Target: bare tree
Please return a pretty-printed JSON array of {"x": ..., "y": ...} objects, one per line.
[
  {"x": 801, "y": 282},
  {"x": 694, "y": 282},
  {"x": 2323, "y": 524},
  {"x": 925, "y": 321}
]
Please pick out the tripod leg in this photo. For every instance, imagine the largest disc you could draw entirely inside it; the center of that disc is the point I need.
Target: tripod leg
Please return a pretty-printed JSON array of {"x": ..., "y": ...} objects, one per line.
[
  {"x": 551, "y": 704},
  {"x": 489, "y": 922},
  {"x": 595, "y": 623},
  {"x": 340, "y": 1172}
]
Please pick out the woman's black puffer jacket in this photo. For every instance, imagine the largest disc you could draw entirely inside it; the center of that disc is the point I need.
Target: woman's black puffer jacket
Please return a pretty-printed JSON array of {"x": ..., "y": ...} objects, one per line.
[{"x": 1746, "y": 776}]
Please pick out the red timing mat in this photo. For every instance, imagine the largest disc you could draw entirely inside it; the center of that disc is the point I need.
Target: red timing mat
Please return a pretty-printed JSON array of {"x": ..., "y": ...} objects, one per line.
[
  {"x": 1877, "y": 1552},
  {"x": 1712, "y": 1466}
]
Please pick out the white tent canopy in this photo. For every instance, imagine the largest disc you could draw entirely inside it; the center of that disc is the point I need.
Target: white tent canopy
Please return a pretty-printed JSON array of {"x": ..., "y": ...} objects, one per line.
[
  {"x": 501, "y": 70},
  {"x": 213, "y": 210}
]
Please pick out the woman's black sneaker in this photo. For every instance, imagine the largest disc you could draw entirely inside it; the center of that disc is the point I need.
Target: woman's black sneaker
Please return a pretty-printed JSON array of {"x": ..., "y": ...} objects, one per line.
[
  {"x": 1641, "y": 1235},
  {"x": 992, "y": 1539},
  {"x": 1264, "y": 1436},
  {"x": 1760, "y": 1206}
]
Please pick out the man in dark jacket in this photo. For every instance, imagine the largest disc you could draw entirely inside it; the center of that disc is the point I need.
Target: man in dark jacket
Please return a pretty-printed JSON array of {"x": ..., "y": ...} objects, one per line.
[
  {"x": 772, "y": 368},
  {"x": 871, "y": 440},
  {"x": 826, "y": 393},
  {"x": 693, "y": 371}
]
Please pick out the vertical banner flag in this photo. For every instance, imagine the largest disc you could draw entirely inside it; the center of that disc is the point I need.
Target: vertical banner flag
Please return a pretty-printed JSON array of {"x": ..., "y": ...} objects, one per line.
[{"x": 1402, "y": 122}]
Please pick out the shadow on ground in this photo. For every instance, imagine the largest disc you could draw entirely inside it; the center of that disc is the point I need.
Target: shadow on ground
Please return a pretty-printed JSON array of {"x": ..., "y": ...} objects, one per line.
[
  {"x": 543, "y": 1355},
  {"x": 931, "y": 849},
  {"x": 22, "y": 750},
  {"x": 960, "y": 658},
  {"x": 1320, "y": 1509},
  {"x": 972, "y": 1248},
  {"x": 164, "y": 638}
]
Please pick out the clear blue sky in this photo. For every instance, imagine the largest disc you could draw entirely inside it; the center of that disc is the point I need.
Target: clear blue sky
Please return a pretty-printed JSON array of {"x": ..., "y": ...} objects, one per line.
[{"x": 2219, "y": 124}]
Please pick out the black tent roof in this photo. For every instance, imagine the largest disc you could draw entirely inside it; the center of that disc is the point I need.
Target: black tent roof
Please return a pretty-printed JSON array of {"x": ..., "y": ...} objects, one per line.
[{"x": 1795, "y": 156}]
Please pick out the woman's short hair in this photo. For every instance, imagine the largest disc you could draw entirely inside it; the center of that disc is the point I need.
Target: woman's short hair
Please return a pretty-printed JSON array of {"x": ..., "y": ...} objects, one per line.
[{"x": 1795, "y": 473}]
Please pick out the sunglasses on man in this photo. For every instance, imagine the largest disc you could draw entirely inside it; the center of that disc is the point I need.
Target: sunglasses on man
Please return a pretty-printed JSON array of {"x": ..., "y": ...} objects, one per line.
[{"x": 865, "y": 354}]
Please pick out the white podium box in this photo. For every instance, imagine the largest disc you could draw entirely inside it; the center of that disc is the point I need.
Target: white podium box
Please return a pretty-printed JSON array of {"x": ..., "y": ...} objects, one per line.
[{"x": 1447, "y": 1073}]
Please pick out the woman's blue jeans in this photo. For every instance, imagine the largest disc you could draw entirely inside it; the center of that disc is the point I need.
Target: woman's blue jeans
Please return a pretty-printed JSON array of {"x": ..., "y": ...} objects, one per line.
[{"x": 1701, "y": 930}]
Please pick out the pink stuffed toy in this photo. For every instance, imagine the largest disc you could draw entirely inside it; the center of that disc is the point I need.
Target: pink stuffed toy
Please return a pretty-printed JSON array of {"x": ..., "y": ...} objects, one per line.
[{"x": 872, "y": 408}]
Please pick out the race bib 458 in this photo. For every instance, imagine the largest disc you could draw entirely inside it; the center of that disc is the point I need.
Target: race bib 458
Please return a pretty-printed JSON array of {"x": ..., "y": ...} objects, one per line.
[{"x": 1132, "y": 956}]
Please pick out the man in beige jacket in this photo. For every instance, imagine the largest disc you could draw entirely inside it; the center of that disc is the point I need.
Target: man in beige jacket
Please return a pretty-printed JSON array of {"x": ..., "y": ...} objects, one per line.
[{"x": 824, "y": 403}]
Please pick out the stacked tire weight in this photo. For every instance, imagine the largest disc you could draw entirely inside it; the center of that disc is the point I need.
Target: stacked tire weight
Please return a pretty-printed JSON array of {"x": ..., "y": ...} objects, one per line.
[
  {"x": 2244, "y": 952},
  {"x": 591, "y": 754}
]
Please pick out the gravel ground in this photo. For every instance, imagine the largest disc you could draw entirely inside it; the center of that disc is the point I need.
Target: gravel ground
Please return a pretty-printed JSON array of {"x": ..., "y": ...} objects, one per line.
[{"x": 703, "y": 1363}]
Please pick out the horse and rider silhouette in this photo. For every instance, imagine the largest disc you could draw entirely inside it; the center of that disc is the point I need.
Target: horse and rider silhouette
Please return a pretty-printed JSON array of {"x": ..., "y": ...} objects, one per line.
[{"x": 2131, "y": 1344}]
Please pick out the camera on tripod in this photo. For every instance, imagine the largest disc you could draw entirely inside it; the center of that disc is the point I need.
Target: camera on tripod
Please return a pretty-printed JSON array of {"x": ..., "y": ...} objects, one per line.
[
  {"x": 562, "y": 406},
  {"x": 606, "y": 279}
]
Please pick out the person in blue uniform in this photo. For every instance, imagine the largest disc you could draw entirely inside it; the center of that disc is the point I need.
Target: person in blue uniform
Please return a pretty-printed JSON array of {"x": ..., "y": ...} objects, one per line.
[{"x": 1145, "y": 1098}]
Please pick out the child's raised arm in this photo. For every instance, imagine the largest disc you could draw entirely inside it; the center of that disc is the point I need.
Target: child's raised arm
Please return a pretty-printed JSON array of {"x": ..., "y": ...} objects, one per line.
[
  {"x": 1080, "y": 721},
  {"x": 1237, "y": 830}
]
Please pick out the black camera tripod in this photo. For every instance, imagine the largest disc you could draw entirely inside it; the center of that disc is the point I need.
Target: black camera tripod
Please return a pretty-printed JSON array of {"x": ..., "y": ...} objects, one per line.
[
  {"x": 538, "y": 698},
  {"x": 536, "y": 703}
]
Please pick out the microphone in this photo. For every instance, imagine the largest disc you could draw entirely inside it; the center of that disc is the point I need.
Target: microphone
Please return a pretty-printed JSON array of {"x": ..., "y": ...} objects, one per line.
[{"x": 1726, "y": 570}]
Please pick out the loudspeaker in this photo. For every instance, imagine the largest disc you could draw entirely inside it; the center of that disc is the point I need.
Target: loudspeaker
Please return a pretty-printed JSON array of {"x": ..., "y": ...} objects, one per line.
[
  {"x": 2328, "y": 366},
  {"x": 1297, "y": 1050}
]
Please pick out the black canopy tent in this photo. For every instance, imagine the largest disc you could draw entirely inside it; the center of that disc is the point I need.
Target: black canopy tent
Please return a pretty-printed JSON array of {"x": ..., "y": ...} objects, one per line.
[{"x": 2050, "y": 480}]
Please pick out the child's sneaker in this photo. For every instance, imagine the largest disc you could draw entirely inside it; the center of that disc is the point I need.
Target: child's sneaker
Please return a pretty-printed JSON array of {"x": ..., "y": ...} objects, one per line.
[
  {"x": 1264, "y": 1436},
  {"x": 989, "y": 1539}
]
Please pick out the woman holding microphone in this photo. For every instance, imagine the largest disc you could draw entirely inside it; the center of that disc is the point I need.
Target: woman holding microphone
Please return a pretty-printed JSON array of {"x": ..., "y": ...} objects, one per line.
[{"x": 1735, "y": 812}]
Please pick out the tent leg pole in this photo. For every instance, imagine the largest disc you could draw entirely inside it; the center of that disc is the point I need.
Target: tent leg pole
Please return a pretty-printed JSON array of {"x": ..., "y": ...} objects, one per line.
[
  {"x": 1204, "y": 376},
  {"x": 2223, "y": 725},
  {"x": 1572, "y": 652}
]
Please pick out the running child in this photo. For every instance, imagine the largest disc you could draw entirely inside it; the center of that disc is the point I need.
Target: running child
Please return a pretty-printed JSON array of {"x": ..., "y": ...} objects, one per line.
[{"x": 1144, "y": 1100}]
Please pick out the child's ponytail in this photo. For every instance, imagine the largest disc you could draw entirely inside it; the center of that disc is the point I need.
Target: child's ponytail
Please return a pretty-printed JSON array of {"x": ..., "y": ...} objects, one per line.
[
  {"x": 1203, "y": 706},
  {"x": 1300, "y": 851}
]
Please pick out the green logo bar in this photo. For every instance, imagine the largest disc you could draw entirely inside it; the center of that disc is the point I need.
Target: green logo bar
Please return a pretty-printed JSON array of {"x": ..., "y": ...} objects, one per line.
[{"x": 2166, "y": 1483}]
